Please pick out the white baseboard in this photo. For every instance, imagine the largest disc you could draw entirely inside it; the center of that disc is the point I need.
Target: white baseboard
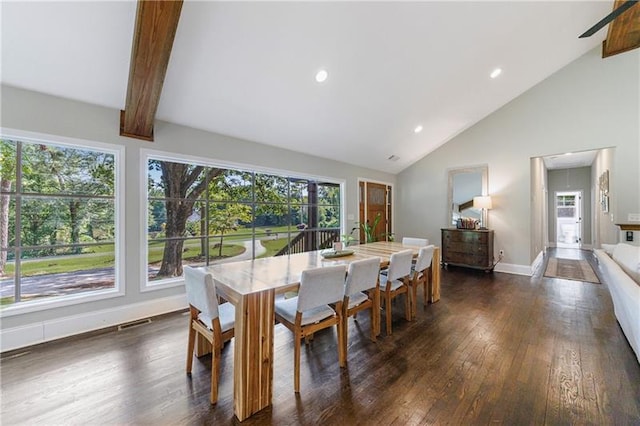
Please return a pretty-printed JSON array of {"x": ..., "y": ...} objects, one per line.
[
  {"x": 511, "y": 268},
  {"x": 537, "y": 262},
  {"x": 45, "y": 331},
  {"x": 584, "y": 246}
]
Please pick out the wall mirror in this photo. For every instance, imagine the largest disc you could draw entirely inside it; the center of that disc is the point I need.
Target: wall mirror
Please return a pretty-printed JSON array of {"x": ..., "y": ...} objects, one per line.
[{"x": 464, "y": 184}]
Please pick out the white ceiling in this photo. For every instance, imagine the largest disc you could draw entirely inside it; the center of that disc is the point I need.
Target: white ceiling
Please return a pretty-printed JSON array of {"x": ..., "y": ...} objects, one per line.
[
  {"x": 246, "y": 69},
  {"x": 570, "y": 160}
]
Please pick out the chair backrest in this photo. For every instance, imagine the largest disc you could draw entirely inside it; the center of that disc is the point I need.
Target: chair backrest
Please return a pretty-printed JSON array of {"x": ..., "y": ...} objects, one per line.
[
  {"x": 321, "y": 286},
  {"x": 425, "y": 255},
  {"x": 362, "y": 275},
  {"x": 410, "y": 241},
  {"x": 400, "y": 264},
  {"x": 201, "y": 291}
]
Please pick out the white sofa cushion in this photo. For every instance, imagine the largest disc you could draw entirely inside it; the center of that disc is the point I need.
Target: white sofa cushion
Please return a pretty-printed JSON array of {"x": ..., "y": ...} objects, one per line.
[
  {"x": 625, "y": 294},
  {"x": 628, "y": 257}
]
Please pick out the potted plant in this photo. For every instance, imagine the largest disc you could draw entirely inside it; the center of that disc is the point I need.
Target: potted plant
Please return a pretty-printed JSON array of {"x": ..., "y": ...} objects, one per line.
[{"x": 369, "y": 229}]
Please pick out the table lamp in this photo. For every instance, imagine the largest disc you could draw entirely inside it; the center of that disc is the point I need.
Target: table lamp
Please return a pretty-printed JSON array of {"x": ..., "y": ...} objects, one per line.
[{"x": 484, "y": 203}]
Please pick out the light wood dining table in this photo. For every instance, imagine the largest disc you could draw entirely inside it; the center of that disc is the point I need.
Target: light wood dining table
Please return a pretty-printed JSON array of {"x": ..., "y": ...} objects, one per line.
[{"x": 251, "y": 286}]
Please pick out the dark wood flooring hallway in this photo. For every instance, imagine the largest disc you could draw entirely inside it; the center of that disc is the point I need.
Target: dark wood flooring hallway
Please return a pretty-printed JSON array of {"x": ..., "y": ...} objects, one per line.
[{"x": 497, "y": 348}]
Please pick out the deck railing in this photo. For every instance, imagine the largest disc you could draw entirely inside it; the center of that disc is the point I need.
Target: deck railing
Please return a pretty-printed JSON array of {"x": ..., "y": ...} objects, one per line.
[{"x": 311, "y": 239}]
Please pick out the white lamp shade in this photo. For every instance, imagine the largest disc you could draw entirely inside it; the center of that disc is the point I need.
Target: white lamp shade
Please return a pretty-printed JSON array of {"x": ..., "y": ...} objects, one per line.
[{"x": 483, "y": 202}]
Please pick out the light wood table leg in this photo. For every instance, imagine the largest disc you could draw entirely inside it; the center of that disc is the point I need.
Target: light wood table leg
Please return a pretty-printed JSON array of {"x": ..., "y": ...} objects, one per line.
[
  {"x": 434, "y": 285},
  {"x": 253, "y": 356}
]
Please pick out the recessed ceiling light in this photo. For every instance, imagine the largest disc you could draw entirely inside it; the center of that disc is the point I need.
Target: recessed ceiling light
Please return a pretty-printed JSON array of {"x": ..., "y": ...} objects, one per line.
[
  {"x": 495, "y": 73},
  {"x": 418, "y": 129},
  {"x": 321, "y": 76},
  {"x": 568, "y": 153}
]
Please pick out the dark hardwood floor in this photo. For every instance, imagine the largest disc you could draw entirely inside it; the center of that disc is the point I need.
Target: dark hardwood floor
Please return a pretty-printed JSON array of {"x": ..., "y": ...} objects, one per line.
[{"x": 497, "y": 348}]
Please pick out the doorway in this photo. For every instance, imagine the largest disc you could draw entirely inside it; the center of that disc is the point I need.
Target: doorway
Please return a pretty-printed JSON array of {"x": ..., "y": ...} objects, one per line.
[
  {"x": 375, "y": 200},
  {"x": 568, "y": 213}
]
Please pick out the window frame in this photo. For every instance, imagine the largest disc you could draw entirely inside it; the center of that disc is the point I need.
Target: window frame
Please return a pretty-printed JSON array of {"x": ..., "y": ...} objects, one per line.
[
  {"x": 118, "y": 152},
  {"x": 152, "y": 154}
]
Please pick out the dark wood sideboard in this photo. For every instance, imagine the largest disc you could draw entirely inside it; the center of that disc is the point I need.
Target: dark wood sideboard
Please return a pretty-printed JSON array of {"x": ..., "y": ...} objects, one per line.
[{"x": 471, "y": 248}]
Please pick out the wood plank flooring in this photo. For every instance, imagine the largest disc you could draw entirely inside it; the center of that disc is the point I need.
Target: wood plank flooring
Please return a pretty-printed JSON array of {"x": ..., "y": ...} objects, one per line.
[{"x": 497, "y": 348}]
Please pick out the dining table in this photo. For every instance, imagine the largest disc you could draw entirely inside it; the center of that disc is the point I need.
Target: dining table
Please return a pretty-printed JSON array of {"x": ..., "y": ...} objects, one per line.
[{"x": 251, "y": 286}]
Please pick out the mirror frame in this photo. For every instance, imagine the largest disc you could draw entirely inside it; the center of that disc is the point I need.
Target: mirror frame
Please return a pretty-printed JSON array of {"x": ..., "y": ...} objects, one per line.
[{"x": 482, "y": 169}]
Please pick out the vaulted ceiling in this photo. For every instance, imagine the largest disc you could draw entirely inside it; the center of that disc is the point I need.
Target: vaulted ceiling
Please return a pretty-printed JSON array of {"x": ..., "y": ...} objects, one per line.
[{"x": 247, "y": 69}]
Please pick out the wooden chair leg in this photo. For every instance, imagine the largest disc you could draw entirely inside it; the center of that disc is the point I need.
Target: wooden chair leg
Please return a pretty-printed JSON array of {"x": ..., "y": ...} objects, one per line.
[
  {"x": 414, "y": 301},
  {"x": 387, "y": 309},
  {"x": 376, "y": 308},
  {"x": 216, "y": 353},
  {"x": 373, "y": 322},
  {"x": 407, "y": 305},
  {"x": 426, "y": 284},
  {"x": 190, "y": 347},
  {"x": 342, "y": 344},
  {"x": 345, "y": 327},
  {"x": 296, "y": 362}
]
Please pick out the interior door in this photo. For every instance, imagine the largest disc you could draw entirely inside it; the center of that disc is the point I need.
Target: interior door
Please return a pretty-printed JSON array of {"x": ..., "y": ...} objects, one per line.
[{"x": 377, "y": 201}]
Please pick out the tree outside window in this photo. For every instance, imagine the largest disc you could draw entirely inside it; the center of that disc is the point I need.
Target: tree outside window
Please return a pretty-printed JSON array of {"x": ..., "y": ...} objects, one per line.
[
  {"x": 57, "y": 220},
  {"x": 202, "y": 215}
]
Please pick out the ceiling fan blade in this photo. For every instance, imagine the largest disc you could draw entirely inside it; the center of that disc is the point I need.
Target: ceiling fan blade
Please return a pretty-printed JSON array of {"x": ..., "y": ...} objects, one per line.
[{"x": 610, "y": 17}]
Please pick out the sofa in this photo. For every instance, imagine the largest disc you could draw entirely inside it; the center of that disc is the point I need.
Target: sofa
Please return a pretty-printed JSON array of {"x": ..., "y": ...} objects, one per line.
[{"x": 620, "y": 268}]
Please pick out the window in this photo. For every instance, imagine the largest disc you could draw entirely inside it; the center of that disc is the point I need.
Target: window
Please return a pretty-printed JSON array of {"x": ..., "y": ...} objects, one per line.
[
  {"x": 566, "y": 205},
  {"x": 57, "y": 221},
  {"x": 201, "y": 215}
]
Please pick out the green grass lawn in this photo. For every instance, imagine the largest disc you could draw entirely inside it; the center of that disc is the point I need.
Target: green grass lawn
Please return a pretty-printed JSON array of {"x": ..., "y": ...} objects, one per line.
[
  {"x": 273, "y": 246},
  {"x": 102, "y": 256}
]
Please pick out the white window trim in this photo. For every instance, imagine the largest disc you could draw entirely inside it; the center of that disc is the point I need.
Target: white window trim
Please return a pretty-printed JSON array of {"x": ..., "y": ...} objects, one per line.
[
  {"x": 118, "y": 152},
  {"x": 146, "y": 154}
]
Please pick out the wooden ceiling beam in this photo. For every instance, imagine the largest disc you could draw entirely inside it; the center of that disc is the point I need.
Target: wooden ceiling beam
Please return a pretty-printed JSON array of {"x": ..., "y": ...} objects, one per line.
[
  {"x": 155, "y": 30},
  {"x": 624, "y": 31}
]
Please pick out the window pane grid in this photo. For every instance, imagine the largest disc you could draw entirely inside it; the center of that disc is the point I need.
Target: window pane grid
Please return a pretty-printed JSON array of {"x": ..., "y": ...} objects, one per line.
[
  {"x": 246, "y": 215},
  {"x": 61, "y": 231}
]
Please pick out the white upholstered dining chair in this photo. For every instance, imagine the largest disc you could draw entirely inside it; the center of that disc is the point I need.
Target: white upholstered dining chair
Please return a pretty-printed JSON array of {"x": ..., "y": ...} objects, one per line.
[
  {"x": 412, "y": 241},
  {"x": 421, "y": 274},
  {"x": 310, "y": 311},
  {"x": 361, "y": 291},
  {"x": 396, "y": 282},
  {"x": 215, "y": 322}
]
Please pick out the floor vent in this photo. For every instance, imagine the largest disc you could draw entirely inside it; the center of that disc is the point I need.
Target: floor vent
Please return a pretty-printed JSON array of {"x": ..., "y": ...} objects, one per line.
[{"x": 134, "y": 324}]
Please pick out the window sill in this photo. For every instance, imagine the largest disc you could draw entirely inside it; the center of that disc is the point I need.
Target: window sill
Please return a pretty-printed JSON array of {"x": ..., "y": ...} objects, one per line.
[{"x": 21, "y": 308}]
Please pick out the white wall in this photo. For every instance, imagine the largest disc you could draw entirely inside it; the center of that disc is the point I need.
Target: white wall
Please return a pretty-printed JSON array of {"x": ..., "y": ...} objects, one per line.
[
  {"x": 605, "y": 230},
  {"x": 590, "y": 104},
  {"x": 35, "y": 112},
  {"x": 539, "y": 216}
]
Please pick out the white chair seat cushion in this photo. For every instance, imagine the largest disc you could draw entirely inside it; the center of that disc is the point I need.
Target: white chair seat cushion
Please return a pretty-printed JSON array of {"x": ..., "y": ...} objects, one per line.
[
  {"x": 357, "y": 298},
  {"x": 287, "y": 309},
  {"x": 227, "y": 316},
  {"x": 395, "y": 284}
]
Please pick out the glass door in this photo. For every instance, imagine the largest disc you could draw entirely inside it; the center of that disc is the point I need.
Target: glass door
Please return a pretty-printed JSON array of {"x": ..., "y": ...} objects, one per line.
[{"x": 569, "y": 219}]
